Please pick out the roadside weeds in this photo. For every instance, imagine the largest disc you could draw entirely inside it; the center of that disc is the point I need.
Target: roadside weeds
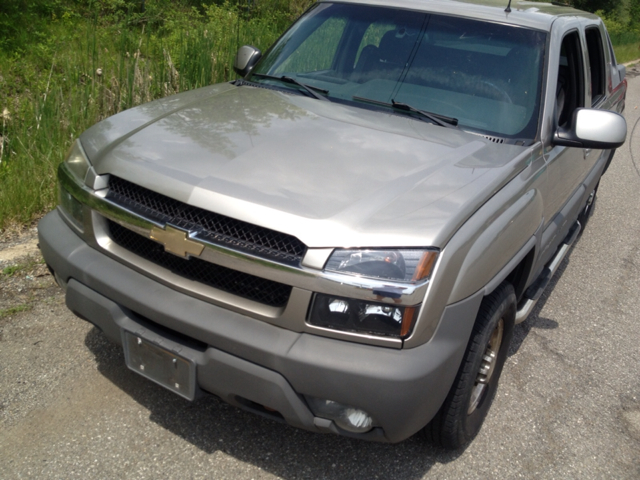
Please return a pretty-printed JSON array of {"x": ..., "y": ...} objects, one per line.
[{"x": 24, "y": 277}]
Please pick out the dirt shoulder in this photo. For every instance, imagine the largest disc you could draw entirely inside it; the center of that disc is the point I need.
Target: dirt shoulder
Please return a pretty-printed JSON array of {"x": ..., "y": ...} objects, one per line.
[{"x": 24, "y": 278}]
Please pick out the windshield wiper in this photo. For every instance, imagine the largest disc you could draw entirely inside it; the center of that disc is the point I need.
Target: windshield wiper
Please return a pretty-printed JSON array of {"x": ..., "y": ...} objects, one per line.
[
  {"x": 436, "y": 118},
  {"x": 441, "y": 120},
  {"x": 310, "y": 89}
]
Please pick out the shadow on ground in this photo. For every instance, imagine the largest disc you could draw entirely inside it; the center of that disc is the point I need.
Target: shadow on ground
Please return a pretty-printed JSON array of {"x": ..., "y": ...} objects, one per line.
[{"x": 212, "y": 425}]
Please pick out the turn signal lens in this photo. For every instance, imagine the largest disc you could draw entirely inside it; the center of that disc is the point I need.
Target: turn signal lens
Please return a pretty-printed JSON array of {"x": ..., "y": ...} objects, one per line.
[
  {"x": 425, "y": 265},
  {"x": 407, "y": 321}
]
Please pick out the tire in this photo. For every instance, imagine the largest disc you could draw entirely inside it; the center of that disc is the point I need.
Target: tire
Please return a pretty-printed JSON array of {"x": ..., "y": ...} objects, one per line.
[
  {"x": 588, "y": 209},
  {"x": 606, "y": 167},
  {"x": 459, "y": 419}
]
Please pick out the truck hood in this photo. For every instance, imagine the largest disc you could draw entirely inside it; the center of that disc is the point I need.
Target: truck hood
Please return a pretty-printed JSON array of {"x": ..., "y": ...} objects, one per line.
[{"x": 327, "y": 173}]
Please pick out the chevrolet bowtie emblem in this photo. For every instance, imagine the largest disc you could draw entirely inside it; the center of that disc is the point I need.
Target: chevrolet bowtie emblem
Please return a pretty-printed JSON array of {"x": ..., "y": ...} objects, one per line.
[{"x": 176, "y": 241}]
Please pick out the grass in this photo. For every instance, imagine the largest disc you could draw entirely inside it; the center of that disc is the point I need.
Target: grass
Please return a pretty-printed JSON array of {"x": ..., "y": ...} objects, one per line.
[
  {"x": 13, "y": 310},
  {"x": 11, "y": 269},
  {"x": 626, "y": 46},
  {"x": 628, "y": 53},
  {"x": 79, "y": 70},
  {"x": 48, "y": 96},
  {"x": 19, "y": 267}
]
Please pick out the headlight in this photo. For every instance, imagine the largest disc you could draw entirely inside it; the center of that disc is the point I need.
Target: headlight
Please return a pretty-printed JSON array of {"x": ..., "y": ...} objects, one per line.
[
  {"x": 361, "y": 316},
  {"x": 77, "y": 161},
  {"x": 404, "y": 265},
  {"x": 409, "y": 265}
]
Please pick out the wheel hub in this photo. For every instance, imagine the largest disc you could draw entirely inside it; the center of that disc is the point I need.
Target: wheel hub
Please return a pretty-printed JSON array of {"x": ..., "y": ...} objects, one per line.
[{"x": 487, "y": 366}]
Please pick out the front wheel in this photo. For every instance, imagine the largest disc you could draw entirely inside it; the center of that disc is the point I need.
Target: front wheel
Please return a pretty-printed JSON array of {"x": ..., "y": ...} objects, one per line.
[
  {"x": 466, "y": 406},
  {"x": 606, "y": 167}
]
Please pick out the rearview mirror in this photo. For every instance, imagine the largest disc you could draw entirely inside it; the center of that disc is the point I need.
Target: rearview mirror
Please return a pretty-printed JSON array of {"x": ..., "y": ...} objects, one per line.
[
  {"x": 592, "y": 128},
  {"x": 246, "y": 58}
]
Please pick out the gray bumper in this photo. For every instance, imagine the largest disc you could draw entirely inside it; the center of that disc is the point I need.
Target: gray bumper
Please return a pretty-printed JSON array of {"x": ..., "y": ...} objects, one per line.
[{"x": 252, "y": 364}]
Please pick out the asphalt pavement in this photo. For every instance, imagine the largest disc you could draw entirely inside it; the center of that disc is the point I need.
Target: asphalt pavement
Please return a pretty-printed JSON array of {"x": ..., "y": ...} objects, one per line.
[{"x": 568, "y": 405}]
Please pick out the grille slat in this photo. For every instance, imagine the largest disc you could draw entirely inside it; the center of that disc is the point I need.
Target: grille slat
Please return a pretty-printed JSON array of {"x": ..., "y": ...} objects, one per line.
[
  {"x": 210, "y": 226},
  {"x": 242, "y": 284}
]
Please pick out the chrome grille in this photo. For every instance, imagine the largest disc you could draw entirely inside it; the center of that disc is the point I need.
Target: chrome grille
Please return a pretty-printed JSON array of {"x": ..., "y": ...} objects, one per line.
[
  {"x": 242, "y": 284},
  {"x": 211, "y": 227}
]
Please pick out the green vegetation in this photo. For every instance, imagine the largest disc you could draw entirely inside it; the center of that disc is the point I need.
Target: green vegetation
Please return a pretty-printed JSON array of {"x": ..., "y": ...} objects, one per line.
[
  {"x": 622, "y": 18},
  {"x": 13, "y": 310},
  {"x": 64, "y": 69},
  {"x": 66, "y": 64},
  {"x": 626, "y": 46},
  {"x": 11, "y": 269},
  {"x": 19, "y": 267}
]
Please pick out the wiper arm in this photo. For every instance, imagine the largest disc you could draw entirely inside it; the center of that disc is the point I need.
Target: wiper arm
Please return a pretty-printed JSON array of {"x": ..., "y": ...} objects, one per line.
[
  {"x": 310, "y": 89},
  {"x": 435, "y": 118}
]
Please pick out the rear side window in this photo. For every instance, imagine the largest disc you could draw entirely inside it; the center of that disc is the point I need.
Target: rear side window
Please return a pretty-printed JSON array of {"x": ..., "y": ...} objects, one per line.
[{"x": 596, "y": 64}]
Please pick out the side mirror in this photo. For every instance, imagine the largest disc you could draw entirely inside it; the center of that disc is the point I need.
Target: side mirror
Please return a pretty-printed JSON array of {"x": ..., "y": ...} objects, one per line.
[
  {"x": 246, "y": 58},
  {"x": 622, "y": 72},
  {"x": 592, "y": 128}
]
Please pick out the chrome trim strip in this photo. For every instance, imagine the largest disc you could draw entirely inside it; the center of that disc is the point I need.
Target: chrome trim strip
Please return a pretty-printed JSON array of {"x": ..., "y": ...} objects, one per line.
[
  {"x": 525, "y": 310},
  {"x": 196, "y": 289},
  {"x": 353, "y": 336},
  {"x": 331, "y": 283},
  {"x": 95, "y": 181},
  {"x": 304, "y": 280},
  {"x": 316, "y": 257},
  {"x": 553, "y": 265}
]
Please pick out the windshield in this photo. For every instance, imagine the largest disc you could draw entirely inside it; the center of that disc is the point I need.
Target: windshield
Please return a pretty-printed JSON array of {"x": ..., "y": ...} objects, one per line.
[{"x": 485, "y": 75}]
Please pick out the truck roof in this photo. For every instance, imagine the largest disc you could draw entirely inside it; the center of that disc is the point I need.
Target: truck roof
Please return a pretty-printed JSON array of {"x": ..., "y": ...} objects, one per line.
[{"x": 530, "y": 14}]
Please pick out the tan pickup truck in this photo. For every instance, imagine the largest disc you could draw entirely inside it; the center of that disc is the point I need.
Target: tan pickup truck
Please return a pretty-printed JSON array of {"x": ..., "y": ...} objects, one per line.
[{"x": 343, "y": 238}]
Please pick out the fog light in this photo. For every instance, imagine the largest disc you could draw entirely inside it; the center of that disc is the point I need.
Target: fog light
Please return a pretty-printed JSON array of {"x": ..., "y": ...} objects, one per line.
[{"x": 346, "y": 417}]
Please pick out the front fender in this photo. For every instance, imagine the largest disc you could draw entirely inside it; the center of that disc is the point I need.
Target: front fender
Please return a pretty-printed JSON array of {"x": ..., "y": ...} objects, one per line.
[
  {"x": 494, "y": 248},
  {"x": 478, "y": 256}
]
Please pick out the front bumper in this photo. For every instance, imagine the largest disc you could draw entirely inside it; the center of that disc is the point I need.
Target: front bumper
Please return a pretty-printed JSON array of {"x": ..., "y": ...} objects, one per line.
[{"x": 252, "y": 364}]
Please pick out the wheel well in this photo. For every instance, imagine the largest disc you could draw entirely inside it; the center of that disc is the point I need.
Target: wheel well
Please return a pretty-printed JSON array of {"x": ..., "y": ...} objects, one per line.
[{"x": 520, "y": 274}]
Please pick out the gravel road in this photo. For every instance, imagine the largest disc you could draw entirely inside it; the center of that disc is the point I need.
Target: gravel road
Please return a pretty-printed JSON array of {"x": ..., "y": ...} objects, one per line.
[{"x": 568, "y": 404}]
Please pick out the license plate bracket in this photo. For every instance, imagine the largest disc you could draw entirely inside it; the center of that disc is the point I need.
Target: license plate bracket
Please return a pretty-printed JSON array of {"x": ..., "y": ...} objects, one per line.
[{"x": 160, "y": 365}]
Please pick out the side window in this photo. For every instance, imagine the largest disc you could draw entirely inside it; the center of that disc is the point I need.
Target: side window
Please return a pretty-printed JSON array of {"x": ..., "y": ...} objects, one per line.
[
  {"x": 570, "y": 88},
  {"x": 596, "y": 64},
  {"x": 373, "y": 35}
]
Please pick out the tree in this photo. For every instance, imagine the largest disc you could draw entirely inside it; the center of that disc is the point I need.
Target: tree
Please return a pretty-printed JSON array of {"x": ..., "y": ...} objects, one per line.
[{"x": 607, "y": 6}]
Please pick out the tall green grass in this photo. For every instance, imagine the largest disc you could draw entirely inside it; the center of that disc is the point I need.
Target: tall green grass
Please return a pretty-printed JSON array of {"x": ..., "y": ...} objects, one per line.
[
  {"x": 97, "y": 72},
  {"x": 626, "y": 46},
  {"x": 80, "y": 71}
]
